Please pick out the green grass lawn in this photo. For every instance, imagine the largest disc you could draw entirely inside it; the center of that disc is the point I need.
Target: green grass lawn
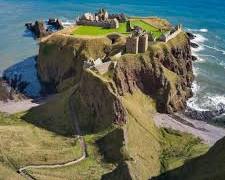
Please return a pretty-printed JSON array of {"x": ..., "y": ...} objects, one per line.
[
  {"x": 147, "y": 27},
  {"x": 99, "y": 31}
]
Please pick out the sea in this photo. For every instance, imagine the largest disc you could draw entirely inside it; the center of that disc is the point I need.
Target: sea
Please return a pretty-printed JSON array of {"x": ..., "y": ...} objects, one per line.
[{"x": 204, "y": 18}]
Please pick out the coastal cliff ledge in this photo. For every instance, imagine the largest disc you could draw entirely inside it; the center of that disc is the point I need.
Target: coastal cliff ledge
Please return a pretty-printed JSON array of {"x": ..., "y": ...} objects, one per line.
[
  {"x": 163, "y": 72},
  {"x": 121, "y": 92}
]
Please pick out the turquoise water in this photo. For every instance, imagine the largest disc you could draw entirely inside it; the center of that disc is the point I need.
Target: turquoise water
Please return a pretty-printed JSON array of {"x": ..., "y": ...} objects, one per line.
[{"x": 205, "y": 18}]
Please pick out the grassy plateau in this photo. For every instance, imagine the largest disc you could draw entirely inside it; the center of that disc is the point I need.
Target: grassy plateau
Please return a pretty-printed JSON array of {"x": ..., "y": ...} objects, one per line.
[{"x": 99, "y": 31}]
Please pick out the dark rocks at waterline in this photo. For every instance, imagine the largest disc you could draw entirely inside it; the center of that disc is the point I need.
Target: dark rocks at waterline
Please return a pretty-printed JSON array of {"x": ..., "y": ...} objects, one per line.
[
  {"x": 194, "y": 45},
  {"x": 194, "y": 58},
  {"x": 38, "y": 29},
  {"x": 55, "y": 23},
  {"x": 8, "y": 93},
  {"x": 190, "y": 35},
  {"x": 205, "y": 115}
]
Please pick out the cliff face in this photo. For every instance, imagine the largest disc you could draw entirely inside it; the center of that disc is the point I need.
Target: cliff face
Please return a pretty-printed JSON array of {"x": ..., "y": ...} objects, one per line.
[
  {"x": 124, "y": 98},
  {"x": 164, "y": 73},
  {"x": 60, "y": 60},
  {"x": 98, "y": 104}
]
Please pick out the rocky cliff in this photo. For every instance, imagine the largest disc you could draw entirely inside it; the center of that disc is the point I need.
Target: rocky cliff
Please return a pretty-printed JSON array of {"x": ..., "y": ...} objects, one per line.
[
  {"x": 164, "y": 72},
  {"x": 124, "y": 98}
]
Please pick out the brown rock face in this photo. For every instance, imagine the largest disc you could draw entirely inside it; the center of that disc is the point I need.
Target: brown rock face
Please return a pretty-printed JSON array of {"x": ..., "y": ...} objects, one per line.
[
  {"x": 164, "y": 74},
  {"x": 103, "y": 105}
]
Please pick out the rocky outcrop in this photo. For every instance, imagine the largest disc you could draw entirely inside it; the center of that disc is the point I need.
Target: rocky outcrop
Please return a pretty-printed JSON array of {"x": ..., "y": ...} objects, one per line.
[
  {"x": 99, "y": 102},
  {"x": 38, "y": 29},
  {"x": 61, "y": 58},
  {"x": 124, "y": 98},
  {"x": 165, "y": 74}
]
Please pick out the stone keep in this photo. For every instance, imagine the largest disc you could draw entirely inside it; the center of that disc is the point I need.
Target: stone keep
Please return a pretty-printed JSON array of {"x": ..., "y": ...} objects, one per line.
[
  {"x": 143, "y": 43},
  {"x": 132, "y": 44}
]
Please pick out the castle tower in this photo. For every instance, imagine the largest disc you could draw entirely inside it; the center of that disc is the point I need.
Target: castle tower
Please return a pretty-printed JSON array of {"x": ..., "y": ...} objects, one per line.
[
  {"x": 143, "y": 43},
  {"x": 132, "y": 45}
]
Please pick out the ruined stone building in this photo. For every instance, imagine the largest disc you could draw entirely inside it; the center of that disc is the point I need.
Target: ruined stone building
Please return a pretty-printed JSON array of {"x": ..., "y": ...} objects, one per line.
[
  {"x": 137, "y": 42},
  {"x": 101, "y": 19}
]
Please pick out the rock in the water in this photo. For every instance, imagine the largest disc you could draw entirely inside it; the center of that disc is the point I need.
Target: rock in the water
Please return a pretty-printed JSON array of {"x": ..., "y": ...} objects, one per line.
[
  {"x": 194, "y": 58},
  {"x": 56, "y": 23},
  {"x": 38, "y": 29},
  {"x": 190, "y": 35},
  {"x": 205, "y": 115},
  {"x": 194, "y": 45}
]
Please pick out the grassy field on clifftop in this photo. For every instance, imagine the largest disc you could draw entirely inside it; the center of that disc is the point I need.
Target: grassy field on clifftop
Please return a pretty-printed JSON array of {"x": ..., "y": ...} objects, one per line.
[{"x": 99, "y": 31}]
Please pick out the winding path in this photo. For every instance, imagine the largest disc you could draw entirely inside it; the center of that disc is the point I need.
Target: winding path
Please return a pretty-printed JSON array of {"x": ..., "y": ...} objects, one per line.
[{"x": 22, "y": 171}]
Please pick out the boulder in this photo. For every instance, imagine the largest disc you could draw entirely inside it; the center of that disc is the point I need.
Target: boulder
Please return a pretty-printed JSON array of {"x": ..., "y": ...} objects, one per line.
[
  {"x": 194, "y": 45},
  {"x": 190, "y": 35},
  {"x": 194, "y": 58}
]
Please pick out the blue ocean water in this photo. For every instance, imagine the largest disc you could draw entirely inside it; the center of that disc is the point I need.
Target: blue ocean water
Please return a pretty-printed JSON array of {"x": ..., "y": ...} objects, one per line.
[{"x": 205, "y": 18}]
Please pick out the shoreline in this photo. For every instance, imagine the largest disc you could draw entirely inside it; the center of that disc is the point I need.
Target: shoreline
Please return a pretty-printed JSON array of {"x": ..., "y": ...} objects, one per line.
[{"x": 208, "y": 133}]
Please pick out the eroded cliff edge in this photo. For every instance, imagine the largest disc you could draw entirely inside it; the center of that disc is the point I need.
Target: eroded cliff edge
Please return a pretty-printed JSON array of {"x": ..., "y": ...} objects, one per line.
[
  {"x": 164, "y": 72},
  {"x": 124, "y": 98}
]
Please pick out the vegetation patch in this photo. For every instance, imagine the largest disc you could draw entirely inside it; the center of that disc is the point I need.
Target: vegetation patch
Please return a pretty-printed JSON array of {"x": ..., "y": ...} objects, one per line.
[
  {"x": 100, "y": 31},
  {"x": 178, "y": 147},
  {"x": 24, "y": 144}
]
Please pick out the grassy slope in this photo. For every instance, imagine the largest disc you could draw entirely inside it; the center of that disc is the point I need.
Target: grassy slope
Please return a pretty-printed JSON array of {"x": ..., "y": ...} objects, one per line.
[
  {"x": 99, "y": 31},
  {"x": 23, "y": 144},
  {"x": 144, "y": 143},
  {"x": 206, "y": 167},
  {"x": 155, "y": 150},
  {"x": 91, "y": 168}
]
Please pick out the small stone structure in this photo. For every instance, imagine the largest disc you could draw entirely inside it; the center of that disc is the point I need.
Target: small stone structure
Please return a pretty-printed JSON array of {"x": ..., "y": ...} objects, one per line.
[
  {"x": 137, "y": 42},
  {"x": 101, "y": 19},
  {"x": 171, "y": 34}
]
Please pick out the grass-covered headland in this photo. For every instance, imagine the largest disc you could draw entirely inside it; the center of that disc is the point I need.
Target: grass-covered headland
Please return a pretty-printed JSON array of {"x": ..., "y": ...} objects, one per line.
[{"x": 99, "y": 31}]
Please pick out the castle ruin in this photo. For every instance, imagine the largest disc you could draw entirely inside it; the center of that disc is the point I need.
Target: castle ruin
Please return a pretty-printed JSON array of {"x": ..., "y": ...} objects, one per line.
[
  {"x": 101, "y": 19},
  {"x": 137, "y": 42}
]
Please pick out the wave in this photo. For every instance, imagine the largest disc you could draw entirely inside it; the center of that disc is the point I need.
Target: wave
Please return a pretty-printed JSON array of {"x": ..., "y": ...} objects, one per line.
[
  {"x": 208, "y": 102},
  {"x": 203, "y": 30},
  {"x": 199, "y": 38},
  {"x": 215, "y": 49},
  {"x": 68, "y": 23}
]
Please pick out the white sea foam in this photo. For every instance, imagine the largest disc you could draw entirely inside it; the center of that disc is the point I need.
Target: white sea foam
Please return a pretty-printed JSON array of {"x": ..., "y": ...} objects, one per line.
[
  {"x": 199, "y": 39},
  {"x": 207, "y": 102},
  {"x": 215, "y": 48},
  {"x": 203, "y": 30},
  {"x": 68, "y": 23}
]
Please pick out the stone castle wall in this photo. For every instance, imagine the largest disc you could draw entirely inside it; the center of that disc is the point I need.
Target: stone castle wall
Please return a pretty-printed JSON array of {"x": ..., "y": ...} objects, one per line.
[
  {"x": 171, "y": 35},
  {"x": 137, "y": 44},
  {"x": 132, "y": 45},
  {"x": 143, "y": 43},
  {"x": 103, "y": 24}
]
